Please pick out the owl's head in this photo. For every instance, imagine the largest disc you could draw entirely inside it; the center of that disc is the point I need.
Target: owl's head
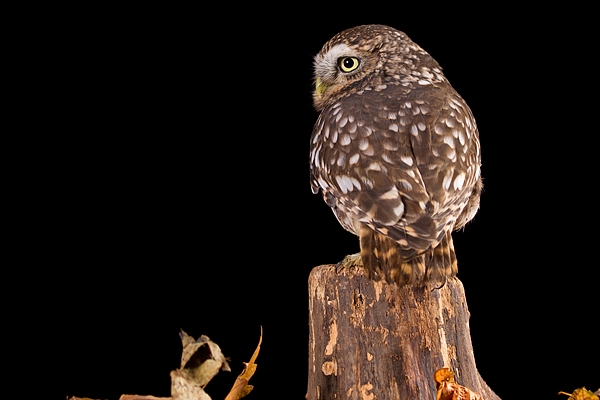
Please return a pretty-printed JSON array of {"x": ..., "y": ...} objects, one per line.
[{"x": 366, "y": 57}]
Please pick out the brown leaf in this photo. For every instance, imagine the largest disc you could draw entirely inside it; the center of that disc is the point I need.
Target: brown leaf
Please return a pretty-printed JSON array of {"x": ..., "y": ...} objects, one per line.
[
  {"x": 581, "y": 394},
  {"x": 447, "y": 389},
  {"x": 201, "y": 359},
  {"x": 79, "y": 398},
  {"x": 183, "y": 389},
  {"x": 240, "y": 387}
]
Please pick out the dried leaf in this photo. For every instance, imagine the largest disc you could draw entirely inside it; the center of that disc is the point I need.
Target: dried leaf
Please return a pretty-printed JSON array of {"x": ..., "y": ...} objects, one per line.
[
  {"x": 581, "y": 394},
  {"x": 183, "y": 389},
  {"x": 443, "y": 375},
  {"x": 201, "y": 359},
  {"x": 447, "y": 389},
  {"x": 79, "y": 398},
  {"x": 240, "y": 387}
]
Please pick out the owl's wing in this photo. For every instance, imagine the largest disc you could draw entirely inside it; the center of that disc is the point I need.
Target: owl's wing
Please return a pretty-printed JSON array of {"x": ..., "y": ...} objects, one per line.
[{"x": 394, "y": 159}]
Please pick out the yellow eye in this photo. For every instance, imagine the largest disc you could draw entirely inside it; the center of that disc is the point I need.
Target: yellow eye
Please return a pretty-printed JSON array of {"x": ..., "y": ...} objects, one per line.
[{"x": 348, "y": 64}]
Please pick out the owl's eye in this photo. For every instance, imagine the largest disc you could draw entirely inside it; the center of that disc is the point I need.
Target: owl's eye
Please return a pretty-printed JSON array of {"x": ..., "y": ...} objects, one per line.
[{"x": 348, "y": 64}]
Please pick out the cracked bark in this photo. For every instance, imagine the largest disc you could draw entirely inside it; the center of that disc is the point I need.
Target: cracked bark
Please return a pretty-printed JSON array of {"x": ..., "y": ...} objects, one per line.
[{"x": 370, "y": 340}]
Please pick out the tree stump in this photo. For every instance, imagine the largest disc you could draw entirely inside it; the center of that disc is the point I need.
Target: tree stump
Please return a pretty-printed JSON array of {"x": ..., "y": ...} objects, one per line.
[{"x": 370, "y": 340}]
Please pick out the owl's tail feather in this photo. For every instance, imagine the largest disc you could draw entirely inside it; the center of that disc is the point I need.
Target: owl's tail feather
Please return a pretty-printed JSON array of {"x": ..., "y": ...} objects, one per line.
[
  {"x": 384, "y": 258},
  {"x": 441, "y": 261}
]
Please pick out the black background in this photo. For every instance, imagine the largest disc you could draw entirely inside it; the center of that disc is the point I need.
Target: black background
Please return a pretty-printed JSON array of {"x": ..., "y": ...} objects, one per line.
[{"x": 174, "y": 192}]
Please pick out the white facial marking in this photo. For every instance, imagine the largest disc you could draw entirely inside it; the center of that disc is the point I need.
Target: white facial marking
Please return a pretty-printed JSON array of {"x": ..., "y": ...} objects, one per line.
[{"x": 326, "y": 63}]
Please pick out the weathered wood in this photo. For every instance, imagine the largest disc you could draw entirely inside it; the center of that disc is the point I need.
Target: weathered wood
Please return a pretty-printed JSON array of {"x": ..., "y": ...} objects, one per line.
[{"x": 371, "y": 340}]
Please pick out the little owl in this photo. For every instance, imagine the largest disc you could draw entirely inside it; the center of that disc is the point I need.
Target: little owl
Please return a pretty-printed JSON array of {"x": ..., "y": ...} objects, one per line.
[{"x": 395, "y": 153}]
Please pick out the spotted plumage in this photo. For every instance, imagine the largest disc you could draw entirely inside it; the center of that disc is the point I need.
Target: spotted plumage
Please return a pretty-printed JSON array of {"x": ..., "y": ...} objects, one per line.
[{"x": 395, "y": 153}]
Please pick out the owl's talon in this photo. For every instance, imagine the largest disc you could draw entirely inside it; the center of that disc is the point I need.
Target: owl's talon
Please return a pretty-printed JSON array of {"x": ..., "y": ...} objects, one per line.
[{"x": 350, "y": 261}]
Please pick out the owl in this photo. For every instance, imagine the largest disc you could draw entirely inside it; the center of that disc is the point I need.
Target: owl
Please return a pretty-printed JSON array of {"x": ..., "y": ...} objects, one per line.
[{"x": 394, "y": 152}]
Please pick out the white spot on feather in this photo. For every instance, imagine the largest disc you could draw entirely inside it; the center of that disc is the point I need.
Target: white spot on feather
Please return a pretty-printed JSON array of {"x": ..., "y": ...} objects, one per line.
[
  {"x": 322, "y": 183},
  {"x": 459, "y": 181},
  {"x": 341, "y": 184},
  {"x": 363, "y": 144},
  {"x": 449, "y": 141},
  {"x": 390, "y": 194},
  {"x": 405, "y": 185},
  {"x": 461, "y": 138},
  {"x": 446, "y": 182},
  {"x": 374, "y": 167},
  {"x": 399, "y": 210}
]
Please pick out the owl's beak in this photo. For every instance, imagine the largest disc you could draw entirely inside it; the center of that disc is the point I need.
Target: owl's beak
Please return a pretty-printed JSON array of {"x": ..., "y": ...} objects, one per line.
[{"x": 320, "y": 87}]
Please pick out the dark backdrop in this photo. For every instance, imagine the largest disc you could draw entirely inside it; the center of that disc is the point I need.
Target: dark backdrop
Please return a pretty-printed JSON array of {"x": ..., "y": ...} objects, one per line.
[{"x": 176, "y": 194}]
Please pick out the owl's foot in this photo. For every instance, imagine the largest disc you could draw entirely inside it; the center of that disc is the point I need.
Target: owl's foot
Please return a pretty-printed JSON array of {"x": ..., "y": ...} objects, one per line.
[{"x": 351, "y": 261}]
